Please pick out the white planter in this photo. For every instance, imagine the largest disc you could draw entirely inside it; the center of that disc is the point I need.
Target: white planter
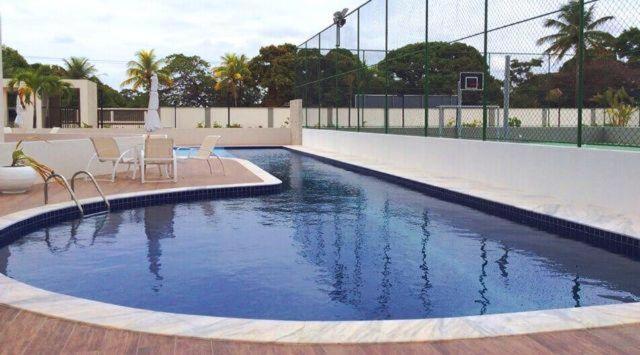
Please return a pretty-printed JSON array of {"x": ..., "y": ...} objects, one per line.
[{"x": 17, "y": 179}]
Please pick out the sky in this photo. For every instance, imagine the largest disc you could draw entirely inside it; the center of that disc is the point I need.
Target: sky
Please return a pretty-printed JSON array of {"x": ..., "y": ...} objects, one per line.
[{"x": 110, "y": 32}]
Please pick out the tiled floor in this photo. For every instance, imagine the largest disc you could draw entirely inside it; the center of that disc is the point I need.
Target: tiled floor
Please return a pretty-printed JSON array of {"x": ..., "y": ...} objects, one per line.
[{"x": 23, "y": 332}]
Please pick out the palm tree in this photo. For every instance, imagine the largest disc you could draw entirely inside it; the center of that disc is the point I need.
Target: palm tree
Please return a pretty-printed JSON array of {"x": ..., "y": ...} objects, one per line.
[
  {"x": 567, "y": 25},
  {"x": 38, "y": 82},
  {"x": 139, "y": 71},
  {"x": 232, "y": 74},
  {"x": 78, "y": 68}
]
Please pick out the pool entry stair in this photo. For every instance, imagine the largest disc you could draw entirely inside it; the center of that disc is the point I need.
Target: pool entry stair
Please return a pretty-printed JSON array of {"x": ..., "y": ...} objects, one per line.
[{"x": 71, "y": 189}]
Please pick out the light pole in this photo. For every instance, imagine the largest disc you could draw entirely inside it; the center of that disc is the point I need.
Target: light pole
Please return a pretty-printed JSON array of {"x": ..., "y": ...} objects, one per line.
[{"x": 339, "y": 19}]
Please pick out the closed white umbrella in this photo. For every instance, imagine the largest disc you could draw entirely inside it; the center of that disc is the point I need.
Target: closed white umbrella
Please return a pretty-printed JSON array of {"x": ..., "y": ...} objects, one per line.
[
  {"x": 152, "y": 121},
  {"x": 20, "y": 110}
]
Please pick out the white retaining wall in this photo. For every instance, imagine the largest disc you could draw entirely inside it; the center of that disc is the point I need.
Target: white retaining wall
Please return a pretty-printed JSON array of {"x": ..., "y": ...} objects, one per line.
[{"x": 605, "y": 178}]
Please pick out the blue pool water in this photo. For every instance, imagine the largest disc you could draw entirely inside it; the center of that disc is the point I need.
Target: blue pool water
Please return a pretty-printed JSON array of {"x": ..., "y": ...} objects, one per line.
[{"x": 334, "y": 245}]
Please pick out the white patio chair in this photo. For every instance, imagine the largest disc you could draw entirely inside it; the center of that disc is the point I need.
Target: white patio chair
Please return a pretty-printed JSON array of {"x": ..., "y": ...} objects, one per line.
[
  {"x": 159, "y": 151},
  {"x": 107, "y": 150},
  {"x": 206, "y": 153}
]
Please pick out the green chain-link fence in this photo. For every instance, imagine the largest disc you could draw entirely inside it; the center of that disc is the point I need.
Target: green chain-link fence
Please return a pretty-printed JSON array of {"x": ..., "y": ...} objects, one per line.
[{"x": 562, "y": 72}]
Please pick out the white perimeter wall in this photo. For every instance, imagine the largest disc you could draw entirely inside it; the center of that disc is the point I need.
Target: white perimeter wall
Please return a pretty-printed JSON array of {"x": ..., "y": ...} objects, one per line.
[
  {"x": 606, "y": 178},
  {"x": 247, "y": 117}
]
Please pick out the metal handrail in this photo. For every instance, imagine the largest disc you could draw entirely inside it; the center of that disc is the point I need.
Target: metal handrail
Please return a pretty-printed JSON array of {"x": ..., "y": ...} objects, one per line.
[
  {"x": 66, "y": 185},
  {"x": 95, "y": 183}
]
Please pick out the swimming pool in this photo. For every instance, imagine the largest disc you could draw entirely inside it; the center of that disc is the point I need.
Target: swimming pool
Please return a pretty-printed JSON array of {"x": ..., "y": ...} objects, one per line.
[{"x": 333, "y": 245}]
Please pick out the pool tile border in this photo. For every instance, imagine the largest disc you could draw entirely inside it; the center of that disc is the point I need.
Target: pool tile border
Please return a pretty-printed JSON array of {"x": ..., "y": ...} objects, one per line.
[{"x": 611, "y": 241}]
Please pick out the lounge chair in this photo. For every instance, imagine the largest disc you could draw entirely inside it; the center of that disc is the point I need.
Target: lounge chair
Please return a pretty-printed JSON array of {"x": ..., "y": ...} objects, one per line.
[
  {"x": 54, "y": 130},
  {"x": 206, "y": 153},
  {"x": 107, "y": 150},
  {"x": 159, "y": 151}
]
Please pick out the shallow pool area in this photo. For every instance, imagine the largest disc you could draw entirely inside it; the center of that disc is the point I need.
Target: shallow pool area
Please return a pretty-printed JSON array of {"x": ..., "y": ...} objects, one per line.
[{"x": 333, "y": 245}]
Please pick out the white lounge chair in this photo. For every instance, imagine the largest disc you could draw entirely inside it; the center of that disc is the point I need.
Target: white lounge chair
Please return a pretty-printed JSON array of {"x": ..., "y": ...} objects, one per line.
[
  {"x": 54, "y": 130},
  {"x": 7, "y": 130},
  {"x": 107, "y": 150},
  {"x": 159, "y": 151},
  {"x": 206, "y": 153}
]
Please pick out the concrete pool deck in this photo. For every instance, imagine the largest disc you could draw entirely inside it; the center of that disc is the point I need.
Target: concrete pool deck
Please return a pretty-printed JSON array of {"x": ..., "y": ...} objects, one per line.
[{"x": 33, "y": 319}]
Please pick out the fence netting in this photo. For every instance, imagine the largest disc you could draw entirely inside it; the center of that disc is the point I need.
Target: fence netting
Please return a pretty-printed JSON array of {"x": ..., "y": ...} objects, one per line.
[{"x": 556, "y": 72}]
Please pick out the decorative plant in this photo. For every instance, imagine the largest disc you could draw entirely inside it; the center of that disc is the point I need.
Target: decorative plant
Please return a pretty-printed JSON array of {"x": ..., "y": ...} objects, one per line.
[
  {"x": 619, "y": 104},
  {"x": 234, "y": 125},
  {"x": 200, "y": 125},
  {"x": 216, "y": 124},
  {"x": 19, "y": 158},
  {"x": 472, "y": 124},
  {"x": 514, "y": 122}
]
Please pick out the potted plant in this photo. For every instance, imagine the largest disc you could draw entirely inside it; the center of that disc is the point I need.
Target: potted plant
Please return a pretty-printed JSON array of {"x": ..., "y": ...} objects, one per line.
[{"x": 22, "y": 173}]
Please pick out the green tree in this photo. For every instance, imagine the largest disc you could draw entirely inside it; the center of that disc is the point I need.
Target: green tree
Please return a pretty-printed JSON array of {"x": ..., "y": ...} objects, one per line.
[
  {"x": 627, "y": 46},
  {"x": 405, "y": 66},
  {"x": 232, "y": 75},
  {"x": 192, "y": 84},
  {"x": 39, "y": 82},
  {"x": 522, "y": 71},
  {"x": 139, "y": 71},
  {"x": 78, "y": 68},
  {"x": 274, "y": 70},
  {"x": 567, "y": 25},
  {"x": 12, "y": 61}
]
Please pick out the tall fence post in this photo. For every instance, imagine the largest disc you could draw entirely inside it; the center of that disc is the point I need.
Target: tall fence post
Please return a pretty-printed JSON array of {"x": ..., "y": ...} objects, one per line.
[
  {"x": 336, "y": 96},
  {"x": 580, "y": 83},
  {"x": 359, "y": 76},
  {"x": 319, "y": 80},
  {"x": 507, "y": 93},
  {"x": 386, "y": 66},
  {"x": 306, "y": 87},
  {"x": 486, "y": 72},
  {"x": 426, "y": 69},
  {"x": 175, "y": 116}
]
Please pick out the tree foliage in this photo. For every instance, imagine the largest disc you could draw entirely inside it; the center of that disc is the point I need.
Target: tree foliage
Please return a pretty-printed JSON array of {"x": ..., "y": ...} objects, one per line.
[
  {"x": 192, "y": 82},
  {"x": 274, "y": 71},
  {"x": 12, "y": 61}
]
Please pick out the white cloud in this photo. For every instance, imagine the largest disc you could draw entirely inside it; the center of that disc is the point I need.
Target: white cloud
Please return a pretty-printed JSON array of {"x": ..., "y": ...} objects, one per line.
[{"x": 114, "y": 30}]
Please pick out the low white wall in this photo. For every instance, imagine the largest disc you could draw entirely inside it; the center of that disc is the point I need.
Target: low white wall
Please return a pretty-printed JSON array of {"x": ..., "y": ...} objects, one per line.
[
  {"x": 66, "y": 156},
  {"x": 187, "y": 136},
  {"x": 606, "y": 178}
]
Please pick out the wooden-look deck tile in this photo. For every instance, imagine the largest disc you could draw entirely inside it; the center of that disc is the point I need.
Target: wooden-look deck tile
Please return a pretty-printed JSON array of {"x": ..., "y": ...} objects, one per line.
[
  {"x": 190, "y": 346},
  {"x": 51, "y": 337},
  {"x": 16, "y": 337},
  {"x": 156, "y": 344}
]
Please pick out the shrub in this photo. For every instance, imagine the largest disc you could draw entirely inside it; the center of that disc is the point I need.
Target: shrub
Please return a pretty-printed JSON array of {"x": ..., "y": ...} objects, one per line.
[
  {"x": 234, "y": 125},
  {"x": 514, "y": 122},
  {"x": 216, "y": 124},
  {"x": 472, "y": 124}
]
